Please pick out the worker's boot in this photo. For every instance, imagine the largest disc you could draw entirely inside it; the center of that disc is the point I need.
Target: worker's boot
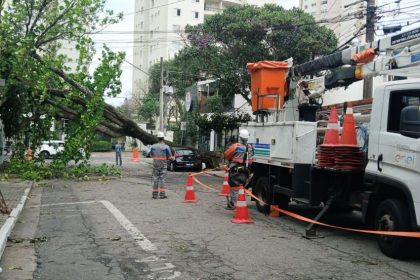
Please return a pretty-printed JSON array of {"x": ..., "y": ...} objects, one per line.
[
  {"x": 162, "y": 195},
  {"x": 230, "y": 206},
  {"x": 155, "y": 195}
]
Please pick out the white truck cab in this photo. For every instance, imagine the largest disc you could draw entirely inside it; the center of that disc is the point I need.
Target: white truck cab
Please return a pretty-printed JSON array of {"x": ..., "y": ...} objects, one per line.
[{"x": 393, "y": 169}]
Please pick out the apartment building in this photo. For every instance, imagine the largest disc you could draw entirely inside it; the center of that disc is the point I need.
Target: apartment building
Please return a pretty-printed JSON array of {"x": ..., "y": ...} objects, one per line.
[
  {"x": 344, "y": 17},
  {"x": 159, "y": 25}
]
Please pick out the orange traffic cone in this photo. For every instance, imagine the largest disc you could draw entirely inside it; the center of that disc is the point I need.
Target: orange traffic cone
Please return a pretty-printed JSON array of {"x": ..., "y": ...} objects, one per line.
[
  {"x": 29, "y": 154},
  {"x": 274, "y": 212},
  {"x": 331, "y": 135},
  {"x": 225, "y": 190},
  {"x": 241, "y": 210},
  {"x": 190, "y": 194},
  {"x": 348, "y": 136},
  {"x": 135, "y": 156}
]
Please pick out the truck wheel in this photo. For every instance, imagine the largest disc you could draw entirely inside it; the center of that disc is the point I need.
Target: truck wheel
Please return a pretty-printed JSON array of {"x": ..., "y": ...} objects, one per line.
[
  {"x": 392, "y": 215},
  {"x": 262, "y": 190}
]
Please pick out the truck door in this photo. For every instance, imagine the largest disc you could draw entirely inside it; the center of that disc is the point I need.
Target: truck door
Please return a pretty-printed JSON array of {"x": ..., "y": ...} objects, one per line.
[
  {"x": 398, "y": 151},
  {"x": 374, "y": 132}
]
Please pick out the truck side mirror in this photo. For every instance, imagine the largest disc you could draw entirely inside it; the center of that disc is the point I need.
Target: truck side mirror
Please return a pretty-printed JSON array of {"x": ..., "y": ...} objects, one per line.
[{"x": 410, "y": 121}]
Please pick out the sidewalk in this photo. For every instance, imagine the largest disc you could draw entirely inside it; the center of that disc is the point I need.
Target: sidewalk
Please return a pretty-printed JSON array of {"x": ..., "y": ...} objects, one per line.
[{"x": 15, "y": 194}]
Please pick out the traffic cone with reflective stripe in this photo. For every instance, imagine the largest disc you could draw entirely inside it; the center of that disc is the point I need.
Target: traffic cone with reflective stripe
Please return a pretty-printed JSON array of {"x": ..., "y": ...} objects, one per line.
[
  {"x": 241, "y": 210},
  {"x": 225, "y": 190},
  {"x": 190, "y": 194},
  {"x": 348, "y": 136},
  {"x": 331, "y": 136}
]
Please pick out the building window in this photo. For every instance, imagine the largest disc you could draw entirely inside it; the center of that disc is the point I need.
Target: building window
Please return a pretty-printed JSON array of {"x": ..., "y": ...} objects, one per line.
[
  {"x": 195, "y": 15},
  {"x": 141, "y": 25},
  {"x": 151, "y": 34},
  {"x": 313, "y": 4},
  {"x": 306, "y": 6},
  {"x": 176, "y": 46},
  {"x": 196, "y": 1},
  {"x": 153, "y": 3},
  {"x": 177, "y": 12},
  {"x": 324, "y": 2}
]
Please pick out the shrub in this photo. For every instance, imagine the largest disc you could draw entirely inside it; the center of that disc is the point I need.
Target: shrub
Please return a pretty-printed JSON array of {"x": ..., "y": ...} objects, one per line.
[{"x": 101, "y": 146}]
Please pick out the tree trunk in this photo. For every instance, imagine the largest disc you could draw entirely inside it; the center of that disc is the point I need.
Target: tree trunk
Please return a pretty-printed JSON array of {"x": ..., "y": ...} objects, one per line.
[{"x": 212, "y": 159}]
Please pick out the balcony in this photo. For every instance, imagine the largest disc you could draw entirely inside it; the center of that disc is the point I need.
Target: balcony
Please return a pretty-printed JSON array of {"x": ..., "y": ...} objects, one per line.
[
  {"x": 211, "y": 8},
  {"x": 237, "y": 2}
]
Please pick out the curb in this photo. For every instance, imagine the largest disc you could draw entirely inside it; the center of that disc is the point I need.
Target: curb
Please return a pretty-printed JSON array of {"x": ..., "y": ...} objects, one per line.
[{"x": 8, "y": 226}]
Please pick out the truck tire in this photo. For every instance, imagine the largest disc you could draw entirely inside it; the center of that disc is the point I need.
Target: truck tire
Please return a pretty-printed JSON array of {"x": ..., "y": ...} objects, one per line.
[
  {"x": 392, "y": 215},
  {"x": 262, "y": 189}
]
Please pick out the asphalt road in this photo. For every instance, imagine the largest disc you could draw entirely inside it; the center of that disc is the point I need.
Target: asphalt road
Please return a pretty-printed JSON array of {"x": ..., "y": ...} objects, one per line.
[{"x": 112, "y": 229}]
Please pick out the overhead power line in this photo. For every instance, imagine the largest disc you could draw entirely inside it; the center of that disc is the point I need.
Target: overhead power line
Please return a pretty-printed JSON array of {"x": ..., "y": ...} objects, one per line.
[{"x": 138, "y": 68}]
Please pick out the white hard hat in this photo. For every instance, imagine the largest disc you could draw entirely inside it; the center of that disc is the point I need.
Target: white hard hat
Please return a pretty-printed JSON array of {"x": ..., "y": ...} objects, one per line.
[
  {"x": 160, "y": 134},
  {"x": 244, "y": 134}
]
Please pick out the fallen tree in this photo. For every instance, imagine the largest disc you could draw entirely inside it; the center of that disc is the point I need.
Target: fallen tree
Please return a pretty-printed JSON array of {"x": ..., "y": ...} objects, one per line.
[{"x": 40, "y": 85}]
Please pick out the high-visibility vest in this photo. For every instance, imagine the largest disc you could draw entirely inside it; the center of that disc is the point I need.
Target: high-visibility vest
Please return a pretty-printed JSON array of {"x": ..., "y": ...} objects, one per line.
[{"x": 236, "y": 153}]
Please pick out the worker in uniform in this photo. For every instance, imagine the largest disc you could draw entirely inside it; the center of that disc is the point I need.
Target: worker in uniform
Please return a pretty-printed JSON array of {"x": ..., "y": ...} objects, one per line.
[
  {"x": 160, "y": 152},
  {"x": 240, "y": 160}
]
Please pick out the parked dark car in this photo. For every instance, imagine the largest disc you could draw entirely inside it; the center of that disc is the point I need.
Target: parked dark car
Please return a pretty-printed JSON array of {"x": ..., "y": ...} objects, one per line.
[{"x": 185, "y": 158}]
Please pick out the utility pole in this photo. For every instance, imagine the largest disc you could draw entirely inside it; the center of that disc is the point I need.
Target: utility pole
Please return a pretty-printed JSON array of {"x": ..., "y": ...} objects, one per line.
[
  {"x": 161, "y": 96},
  {"x": 370, "y": 37},
  {"x": 167, "y": 99}
]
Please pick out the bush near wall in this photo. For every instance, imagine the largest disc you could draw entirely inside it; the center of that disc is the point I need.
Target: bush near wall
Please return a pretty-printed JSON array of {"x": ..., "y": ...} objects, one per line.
[{"x": 101, "y": 146}]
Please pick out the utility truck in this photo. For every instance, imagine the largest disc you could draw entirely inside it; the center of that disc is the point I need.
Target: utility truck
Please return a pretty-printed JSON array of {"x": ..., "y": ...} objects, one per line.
[{"x": 386, "y": 188}]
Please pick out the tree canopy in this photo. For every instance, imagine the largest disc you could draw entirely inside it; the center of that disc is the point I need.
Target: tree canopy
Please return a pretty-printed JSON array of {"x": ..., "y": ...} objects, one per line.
[{"x": 221, "y": 47}]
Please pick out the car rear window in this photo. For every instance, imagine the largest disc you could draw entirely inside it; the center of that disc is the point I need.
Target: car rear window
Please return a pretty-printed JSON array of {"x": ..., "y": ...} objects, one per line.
[{"x": 184, "y": 152}]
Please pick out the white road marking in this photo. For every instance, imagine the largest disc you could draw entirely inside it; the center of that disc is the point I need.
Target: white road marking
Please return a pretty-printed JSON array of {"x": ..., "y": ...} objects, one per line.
[
  {"x": 141, "y": 240},
  {"x": 66, "y": 203},
  {"x": 168, "y": 266}
]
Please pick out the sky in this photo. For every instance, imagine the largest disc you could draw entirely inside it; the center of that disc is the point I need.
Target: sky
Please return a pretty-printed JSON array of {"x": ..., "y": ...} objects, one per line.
[{"x": 121, "y": 42}]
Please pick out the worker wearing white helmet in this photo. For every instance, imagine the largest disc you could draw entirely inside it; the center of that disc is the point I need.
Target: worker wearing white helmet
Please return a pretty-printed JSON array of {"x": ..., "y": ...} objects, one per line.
[
  {"x": 240, "y": 159},
  {"x": 160, "y": 152}
]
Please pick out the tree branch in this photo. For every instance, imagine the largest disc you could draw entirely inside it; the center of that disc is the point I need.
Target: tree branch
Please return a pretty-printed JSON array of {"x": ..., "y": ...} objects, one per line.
[
  {"x": 40, "y": 10},
  {"x": 129, "y": 126},
  {"x": 52, "y": 25}
]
